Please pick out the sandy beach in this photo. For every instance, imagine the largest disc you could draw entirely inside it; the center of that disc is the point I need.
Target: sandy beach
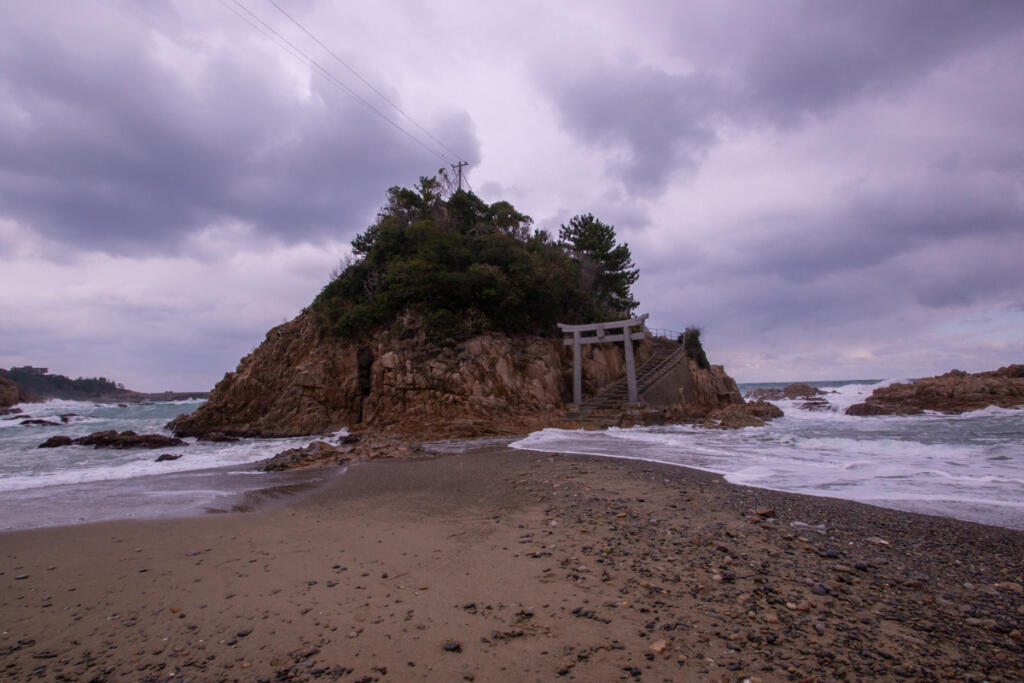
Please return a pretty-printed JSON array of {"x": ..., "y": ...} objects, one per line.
[{"x": 511, "y": 565}]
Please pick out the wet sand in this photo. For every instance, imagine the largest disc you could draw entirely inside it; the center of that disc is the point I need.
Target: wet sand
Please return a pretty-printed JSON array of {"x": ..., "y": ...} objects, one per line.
[{"x": 514, "y": 565}]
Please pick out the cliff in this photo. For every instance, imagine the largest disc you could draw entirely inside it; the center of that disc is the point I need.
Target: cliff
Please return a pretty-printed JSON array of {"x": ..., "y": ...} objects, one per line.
[
  {"x": 300, "y": 381},
  {"x": 954, "y": 392}
]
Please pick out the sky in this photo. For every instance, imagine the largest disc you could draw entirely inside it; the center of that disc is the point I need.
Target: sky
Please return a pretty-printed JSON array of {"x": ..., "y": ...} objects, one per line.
[{"x": 829, "y": 189}]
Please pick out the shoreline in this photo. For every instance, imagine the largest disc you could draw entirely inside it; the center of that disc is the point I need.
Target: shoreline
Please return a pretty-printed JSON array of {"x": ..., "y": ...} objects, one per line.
[{"x": 527, "y": 566}]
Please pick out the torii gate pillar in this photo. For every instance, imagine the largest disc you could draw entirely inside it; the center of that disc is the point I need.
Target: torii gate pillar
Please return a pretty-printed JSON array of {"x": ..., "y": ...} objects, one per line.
[{"x": 600, "y": 336}]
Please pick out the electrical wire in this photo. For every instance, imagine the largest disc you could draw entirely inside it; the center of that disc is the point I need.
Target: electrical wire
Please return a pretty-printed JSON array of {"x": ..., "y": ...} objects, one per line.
[
  {"x": 331, "y": 77},
  {"x": 360, "y": 77}
]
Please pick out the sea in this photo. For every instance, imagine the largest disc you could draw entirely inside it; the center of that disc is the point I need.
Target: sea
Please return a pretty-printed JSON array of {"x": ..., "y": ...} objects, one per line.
[
  {"x": 69, "y": 485},
  {"x": 968, "y": 466}
]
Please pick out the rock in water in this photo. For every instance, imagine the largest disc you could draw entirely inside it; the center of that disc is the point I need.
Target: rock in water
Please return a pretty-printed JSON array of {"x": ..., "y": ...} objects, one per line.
[
  {"x": 954, "y": 392},
  {"x": 164, "y": 457},
  {"x": 127, "y": 439},
  {"x": 56, "y": 441}
]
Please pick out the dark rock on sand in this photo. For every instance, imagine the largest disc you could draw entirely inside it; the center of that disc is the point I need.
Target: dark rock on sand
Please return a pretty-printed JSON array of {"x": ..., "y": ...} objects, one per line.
[
  {"x": 350, "y": 448},
  {"x": 954, "y": 392},
  {"x": 55, "y": 441}
]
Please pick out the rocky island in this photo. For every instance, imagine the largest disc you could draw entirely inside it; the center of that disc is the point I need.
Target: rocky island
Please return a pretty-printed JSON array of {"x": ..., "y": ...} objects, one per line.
[
  {"x": 954, "y": 392},
  {"x": 444, "y": 324}
]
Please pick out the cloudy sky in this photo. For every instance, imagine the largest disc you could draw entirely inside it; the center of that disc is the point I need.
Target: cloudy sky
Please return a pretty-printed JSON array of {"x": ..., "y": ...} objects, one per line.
[{"x": 829, "y": 189}]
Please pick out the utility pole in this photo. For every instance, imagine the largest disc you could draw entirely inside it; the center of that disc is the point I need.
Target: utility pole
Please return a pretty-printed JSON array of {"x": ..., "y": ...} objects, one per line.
[{"x": 458, "y": 168}]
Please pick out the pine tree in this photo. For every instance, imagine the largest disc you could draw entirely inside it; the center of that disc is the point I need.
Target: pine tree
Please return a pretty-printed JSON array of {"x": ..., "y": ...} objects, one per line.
[{"x": 608, "y": 268}]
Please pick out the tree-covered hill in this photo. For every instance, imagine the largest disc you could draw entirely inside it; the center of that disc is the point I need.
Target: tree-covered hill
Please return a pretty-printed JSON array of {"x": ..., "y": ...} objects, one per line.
[
  {"x": 38, "y": 384},
  {"x": 464, "y": 267}
]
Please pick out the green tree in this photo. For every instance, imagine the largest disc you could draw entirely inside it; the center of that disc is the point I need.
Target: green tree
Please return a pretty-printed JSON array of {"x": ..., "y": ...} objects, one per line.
[{"x": 607, "y": 268}]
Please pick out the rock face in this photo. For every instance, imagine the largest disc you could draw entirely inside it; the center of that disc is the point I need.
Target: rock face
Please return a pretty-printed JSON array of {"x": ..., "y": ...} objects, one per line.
[
  {"x": 954, "y": 392},
  {"x": 701, "y": 391},
  {"x": 10, "y": 393},
  {"x": 298, "y": 382}
]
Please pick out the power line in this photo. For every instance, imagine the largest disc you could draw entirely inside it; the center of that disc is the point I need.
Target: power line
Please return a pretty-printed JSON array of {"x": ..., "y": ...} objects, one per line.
[
  {"x": 331, "y": 77},
  {"x": 360, "y": 77}
]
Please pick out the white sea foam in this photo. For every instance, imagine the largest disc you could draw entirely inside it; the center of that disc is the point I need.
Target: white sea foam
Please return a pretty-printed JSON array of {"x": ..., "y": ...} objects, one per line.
[{"x": 969, "y": 466}]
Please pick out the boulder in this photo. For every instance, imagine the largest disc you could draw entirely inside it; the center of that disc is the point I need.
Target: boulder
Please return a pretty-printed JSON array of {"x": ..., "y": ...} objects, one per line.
[
  {"x": 954, "y": 392},
  {"x": 56, "y": 441},
  {"x": 38, "y": 422},
  {"x": 352, "y": 448},
  {"x": 127, "y": 439},
  {"x": 737, "y": 416}
]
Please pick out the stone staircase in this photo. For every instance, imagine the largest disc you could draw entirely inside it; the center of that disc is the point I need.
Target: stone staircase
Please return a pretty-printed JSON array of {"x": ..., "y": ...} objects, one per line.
[{"x": 612, "y": 403}]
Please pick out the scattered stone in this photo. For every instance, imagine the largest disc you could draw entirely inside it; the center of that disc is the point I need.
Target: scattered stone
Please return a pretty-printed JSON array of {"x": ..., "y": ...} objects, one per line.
[
  {"x": 167, "y": 456},
  {"x": 452, "y": 646}
]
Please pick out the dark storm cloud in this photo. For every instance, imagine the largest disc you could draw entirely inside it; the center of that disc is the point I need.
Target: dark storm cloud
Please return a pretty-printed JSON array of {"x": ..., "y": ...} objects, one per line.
[
  {"x": 871, "y": 228},
  {"x": 107, "y": 142},
  {"x": 820, "y": 54},
  {"x": 769, "y": 64},
  {"x": 661, "y": 120}
]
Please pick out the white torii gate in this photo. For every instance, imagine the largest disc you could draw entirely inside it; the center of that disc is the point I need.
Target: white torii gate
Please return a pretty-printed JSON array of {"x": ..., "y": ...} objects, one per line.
[{"x": 601, "y": 336}]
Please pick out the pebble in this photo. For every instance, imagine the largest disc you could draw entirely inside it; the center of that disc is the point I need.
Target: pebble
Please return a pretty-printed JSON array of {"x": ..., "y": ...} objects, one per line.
[
  {"x": 19, "y": 577},
  {"x": 452, "y": 646}
]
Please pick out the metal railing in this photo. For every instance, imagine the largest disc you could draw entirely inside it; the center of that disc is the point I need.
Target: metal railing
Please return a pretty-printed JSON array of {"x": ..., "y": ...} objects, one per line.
[{"x": 662, "y": 332}]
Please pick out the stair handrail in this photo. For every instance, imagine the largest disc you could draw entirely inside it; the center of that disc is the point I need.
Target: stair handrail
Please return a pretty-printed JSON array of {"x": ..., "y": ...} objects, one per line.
[{"x": 656, "y": 373}]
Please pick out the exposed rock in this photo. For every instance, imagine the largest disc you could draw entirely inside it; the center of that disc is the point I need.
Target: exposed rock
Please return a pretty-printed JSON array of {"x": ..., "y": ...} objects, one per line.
[
  {"x": 37, "y": 422},
  {"x": 127, "y": 439},
  {"x": 793, "y": 391},
  {"x": 702, "y": 392},
  {"x": 55, "y": 441},
  {"x": 10, "y": 393},
  {"x": 743, "y": 415},
  {"x": 352, "y": 448},
  {"x": 165, "y": 457},
  {"x": 954, "y": 392},
  {"x": 298, "y": 382},
  {"x": 218, "y": 437},
  {"x": 817, "y": 404}
]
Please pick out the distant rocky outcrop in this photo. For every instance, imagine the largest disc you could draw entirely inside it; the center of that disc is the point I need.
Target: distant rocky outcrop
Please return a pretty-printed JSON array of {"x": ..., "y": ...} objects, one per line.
[{"x": 954, "y": 392}]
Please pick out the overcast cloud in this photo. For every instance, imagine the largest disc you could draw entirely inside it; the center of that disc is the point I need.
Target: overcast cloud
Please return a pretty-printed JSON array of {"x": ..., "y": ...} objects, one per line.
[{"x": 830, "y": 189}]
